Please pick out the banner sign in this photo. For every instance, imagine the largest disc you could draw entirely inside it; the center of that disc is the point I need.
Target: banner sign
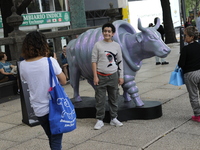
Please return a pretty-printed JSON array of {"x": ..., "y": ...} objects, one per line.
[{"x": 43, "y": 18}]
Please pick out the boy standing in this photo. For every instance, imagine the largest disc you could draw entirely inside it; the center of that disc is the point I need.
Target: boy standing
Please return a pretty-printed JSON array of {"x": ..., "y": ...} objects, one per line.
[{"x": 107, "y": 69}]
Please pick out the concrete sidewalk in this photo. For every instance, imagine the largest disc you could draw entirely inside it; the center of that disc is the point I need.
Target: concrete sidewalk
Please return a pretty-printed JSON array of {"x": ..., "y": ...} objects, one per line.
[{"x": 173, "y": 131}]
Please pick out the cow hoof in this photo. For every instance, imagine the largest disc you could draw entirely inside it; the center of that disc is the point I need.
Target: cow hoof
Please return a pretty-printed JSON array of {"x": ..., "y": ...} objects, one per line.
[
  {"x": 139, "y": 105},
  {"x": 127, "y": 98},
  {"x": 138, "y": 102},
  {"x": 77, "y": 99}
]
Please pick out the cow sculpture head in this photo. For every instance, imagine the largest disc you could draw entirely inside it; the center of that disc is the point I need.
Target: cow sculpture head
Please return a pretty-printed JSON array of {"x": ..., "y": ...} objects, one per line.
[
  {"x": 151, "y": 41},
  {"x": 138, "y": 46}
]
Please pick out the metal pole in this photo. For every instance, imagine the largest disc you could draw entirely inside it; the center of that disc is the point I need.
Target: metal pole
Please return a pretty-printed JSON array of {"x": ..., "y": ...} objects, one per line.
[
  {"x": 181, "y": 38},
  {"x": 183, "y": 10}
]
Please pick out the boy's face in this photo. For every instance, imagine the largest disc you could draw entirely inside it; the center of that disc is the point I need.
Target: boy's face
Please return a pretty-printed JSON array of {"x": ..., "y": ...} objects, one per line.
[{"x": 107, "y": 34}]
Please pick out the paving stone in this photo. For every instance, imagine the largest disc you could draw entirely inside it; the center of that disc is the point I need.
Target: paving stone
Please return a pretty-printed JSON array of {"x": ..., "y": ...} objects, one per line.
[{"x": 174, "y": 130}]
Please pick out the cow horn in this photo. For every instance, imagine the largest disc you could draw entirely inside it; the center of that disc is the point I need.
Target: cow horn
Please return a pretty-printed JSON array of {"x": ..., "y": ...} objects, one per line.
[
  {"x": 157, "y": 24},
  {"x": 140, "y": 25}
]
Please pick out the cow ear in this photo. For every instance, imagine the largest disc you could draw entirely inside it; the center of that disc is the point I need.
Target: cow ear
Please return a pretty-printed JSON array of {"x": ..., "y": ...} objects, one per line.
[{"x": 139, "y": 37}]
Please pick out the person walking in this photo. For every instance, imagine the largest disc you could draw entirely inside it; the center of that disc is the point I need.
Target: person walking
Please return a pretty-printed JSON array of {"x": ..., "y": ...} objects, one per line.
[
  {"x": 107, "y": 66},
  {"x": 35, "y": 71},
  {"x": 189, "y": 61}
]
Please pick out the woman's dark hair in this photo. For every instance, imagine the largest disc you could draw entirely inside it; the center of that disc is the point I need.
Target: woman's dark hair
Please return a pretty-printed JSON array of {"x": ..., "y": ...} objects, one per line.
[
  {"x": 34, "y": 45},
  {"x": 192, "y": 31},
  {"x": 2, "y": 55},
  {"x": 109, "y": 25}
]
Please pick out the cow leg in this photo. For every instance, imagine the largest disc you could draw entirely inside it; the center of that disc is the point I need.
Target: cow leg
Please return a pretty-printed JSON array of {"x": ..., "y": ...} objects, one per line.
[
  {"x": 126, "y": 96},
  {"x": 74, "y": 81},
  {"x": 137, "y": 99},
  {"x": 131, "y": 90},
  {"x": 91, "y": 83}
]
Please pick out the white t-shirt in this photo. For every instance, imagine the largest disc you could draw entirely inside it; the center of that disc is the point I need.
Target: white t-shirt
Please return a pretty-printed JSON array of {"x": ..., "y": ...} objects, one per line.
[{"x": 36, "y": 74}]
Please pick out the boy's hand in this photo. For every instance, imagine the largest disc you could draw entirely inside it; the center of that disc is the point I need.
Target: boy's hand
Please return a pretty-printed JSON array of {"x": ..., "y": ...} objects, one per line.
[
  {"x": 121, "y": 81},
  {"x": 96, "y": 81}
]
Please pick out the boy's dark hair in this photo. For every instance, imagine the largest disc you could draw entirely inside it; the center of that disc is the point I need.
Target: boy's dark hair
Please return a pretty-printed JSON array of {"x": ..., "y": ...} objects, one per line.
[
  {"x": 2, "y": 55},
  {"x": 109, "y": 25},
  {"x": 34, "y": 45}
]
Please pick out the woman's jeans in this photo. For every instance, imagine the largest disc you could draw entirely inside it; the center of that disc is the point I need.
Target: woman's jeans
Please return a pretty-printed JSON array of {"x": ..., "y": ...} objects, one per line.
[{"x": 55, "y": 141}]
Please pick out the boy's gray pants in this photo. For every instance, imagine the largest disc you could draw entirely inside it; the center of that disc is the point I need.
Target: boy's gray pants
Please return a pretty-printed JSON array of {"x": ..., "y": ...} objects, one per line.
[{"x": 109, "y": 84}]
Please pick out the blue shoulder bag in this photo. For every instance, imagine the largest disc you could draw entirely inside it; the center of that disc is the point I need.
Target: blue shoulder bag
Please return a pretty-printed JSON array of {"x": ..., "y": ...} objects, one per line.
[
  {"x": 176, "y": 77},
  {"x": 62, "y": 115}
]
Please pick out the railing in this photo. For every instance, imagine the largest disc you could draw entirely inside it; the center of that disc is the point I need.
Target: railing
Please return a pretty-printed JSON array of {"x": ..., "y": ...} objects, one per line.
[{"x": 15, "y": 40}]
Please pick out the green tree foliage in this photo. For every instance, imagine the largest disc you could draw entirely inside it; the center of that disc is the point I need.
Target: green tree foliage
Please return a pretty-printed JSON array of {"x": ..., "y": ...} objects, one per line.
[{"x": 192, "y": 5}]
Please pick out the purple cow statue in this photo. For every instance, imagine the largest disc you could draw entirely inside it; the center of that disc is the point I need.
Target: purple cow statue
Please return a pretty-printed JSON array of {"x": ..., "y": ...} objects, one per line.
[{"x": 135, "y": 47}]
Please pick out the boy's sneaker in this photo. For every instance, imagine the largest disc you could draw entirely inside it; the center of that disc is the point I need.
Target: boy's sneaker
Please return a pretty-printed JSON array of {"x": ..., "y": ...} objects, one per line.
[
  {"x": 196, "y": 118},
  {"x": 99, "y": 125},
  {"x": 115, "y": 122}
]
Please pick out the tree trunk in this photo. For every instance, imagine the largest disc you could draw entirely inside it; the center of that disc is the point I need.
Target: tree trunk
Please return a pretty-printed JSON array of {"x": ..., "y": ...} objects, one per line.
[{"x": 170, "y": 36}]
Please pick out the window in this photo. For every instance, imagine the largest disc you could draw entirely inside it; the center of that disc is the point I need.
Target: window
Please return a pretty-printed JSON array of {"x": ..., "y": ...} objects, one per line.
[
  {"x": 47, "y": 5},
  {"x": 59, "y": 5},
  {"x": 34, "y": 6}
]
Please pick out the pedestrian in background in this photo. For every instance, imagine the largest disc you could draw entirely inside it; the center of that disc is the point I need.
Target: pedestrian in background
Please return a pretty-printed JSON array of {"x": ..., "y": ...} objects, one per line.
[
  {"x": 150, "y": 24},
  {"x": 188, "y": 22},
  {"x": 64, "y": 62},
  {"x": 162, "y": 32},
  {"x": 8, "y": 70},
  {"x": 189, "y": 61}
]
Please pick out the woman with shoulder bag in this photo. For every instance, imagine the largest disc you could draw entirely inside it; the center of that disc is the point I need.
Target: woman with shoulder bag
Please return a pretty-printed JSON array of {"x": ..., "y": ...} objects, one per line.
[
  {"x": 35, "y": 71},
  {"x": 189, "y": 61}
]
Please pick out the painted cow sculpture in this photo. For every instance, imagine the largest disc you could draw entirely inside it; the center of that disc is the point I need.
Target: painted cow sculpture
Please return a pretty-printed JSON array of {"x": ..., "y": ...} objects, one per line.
[{"x": 135, "y": 47}]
